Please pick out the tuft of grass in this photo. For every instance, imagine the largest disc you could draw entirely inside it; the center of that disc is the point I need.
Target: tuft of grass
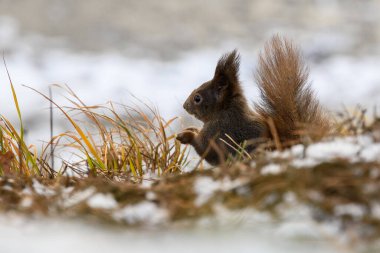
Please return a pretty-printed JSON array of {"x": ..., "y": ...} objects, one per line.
[
  {"x": 12, "y": 144},
  {"x": 111, "y": 140},
  {"x": 355, "y": 121},
  {"x": 118, "y": 140}
]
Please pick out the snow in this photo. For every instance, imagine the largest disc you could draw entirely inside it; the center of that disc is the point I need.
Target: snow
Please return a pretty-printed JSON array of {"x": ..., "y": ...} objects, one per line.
[
  {"x": 43, "y": 235},
  {"x": 361, "y": 148},
  {"x": 298, "y": 228},
  {"x": 298, "y": 150},
  {"x": 26, "y": 202},
  {"x": 102, "y": 201},
  {"x": 353, "y": 210},
  {"x": 271, "y": 169},
  {"x": 331, "y": 150},
  {"x": 78, "y": 197},
  {"x": 303, "y": 162},
  {"x": 205, "y": 187},
  {"x": 150, "y": 196},
  {"x": 371, "y": 153},
  {"x": 27, "y": 191},
  {"x": 352, "y": 148},
  {"x": 7, "y": 188},
  {"x": 145, "y": 212},
  {"x": 375, "y": 208},
  {"x": 41, "y": 189}
]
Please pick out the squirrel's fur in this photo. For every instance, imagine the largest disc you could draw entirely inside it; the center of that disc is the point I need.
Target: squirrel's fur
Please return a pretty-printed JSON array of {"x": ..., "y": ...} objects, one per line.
[{"x": 288, "y": 107}]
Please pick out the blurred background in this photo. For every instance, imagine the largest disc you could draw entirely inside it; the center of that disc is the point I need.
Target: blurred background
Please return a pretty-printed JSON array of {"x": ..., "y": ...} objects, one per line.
[{"x": 159, "y": 51}]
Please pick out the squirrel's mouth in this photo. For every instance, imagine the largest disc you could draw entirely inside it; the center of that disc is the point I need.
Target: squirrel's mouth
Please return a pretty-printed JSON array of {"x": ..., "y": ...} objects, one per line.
[
  {"x": 190, "y": 110},
  {"x": 187, "y": 108},
  {"x": 197, "y": 116},
  {"x": 193, "y": 114}
]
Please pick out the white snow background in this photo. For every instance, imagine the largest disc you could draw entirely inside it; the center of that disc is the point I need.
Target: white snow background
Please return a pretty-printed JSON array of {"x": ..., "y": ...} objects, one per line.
[{"x": 339, "y": 80}]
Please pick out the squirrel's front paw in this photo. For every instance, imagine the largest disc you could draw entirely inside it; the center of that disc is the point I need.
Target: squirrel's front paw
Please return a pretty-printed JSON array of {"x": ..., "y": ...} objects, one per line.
[{"x": 186, "y": 137}]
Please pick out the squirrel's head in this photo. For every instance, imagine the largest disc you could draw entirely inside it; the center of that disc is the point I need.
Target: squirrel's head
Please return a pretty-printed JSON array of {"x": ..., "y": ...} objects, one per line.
[{"x": 214, "y": 96}]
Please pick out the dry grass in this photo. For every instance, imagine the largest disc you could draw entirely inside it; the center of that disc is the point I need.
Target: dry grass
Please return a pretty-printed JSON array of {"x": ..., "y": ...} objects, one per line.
[
  {"x": 17, "y": 157},
  {"x": 111, "y": 140},
  {"x": 130, "y": 144}
]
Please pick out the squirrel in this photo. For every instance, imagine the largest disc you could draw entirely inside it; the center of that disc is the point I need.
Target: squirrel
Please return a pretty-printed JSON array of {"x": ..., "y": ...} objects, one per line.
[{"x": 288, "y": 105}]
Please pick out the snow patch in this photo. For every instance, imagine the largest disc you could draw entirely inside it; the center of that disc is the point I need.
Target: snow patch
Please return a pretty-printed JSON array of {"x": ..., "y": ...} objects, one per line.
[
  {"x": 271, "y": 169},
  {"x": 145, "y": 212},
  {"x": 205, "y": 187},
  {"x": 78, "y": 197},
  {"x": 336, "y": 149},
  {"x": 375, "y": 209},
  {"x": 26, "y": 202},
  {"x": 7, "y": 188},
  {"x": 304, "y": 163},
  {"x": 371, "y": 153},
  {"x": 27, "y": 191},
  {"x": 102, "y": 201},
  {"x": 150, "y": 195},
  {"x": 349, "y": 209},
  {"x": 41, "y": 189},
  {"x": 352, "y": 148}
]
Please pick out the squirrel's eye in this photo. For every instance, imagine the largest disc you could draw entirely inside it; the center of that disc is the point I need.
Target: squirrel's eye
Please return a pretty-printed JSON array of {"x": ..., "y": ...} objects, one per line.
[{"x": 197, "y": 98}]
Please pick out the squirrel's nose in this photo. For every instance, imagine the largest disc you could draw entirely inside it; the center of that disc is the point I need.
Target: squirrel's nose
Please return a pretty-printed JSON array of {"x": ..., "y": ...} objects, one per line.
[{"x": 185, "y": 105}]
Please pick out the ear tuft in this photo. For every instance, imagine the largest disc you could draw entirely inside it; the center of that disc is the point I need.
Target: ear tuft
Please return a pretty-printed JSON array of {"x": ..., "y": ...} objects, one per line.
[
  {"x": 227, "y": 69},
  {"x": 228, "y": 65}
]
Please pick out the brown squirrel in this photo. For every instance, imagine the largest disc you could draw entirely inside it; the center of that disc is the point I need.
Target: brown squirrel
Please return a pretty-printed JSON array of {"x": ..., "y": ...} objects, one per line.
[{"x": 288, "y": 104}]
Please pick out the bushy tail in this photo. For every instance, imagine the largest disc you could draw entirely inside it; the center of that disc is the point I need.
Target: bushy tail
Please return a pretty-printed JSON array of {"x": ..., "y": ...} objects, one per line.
[{"x": 287, "y": 99}]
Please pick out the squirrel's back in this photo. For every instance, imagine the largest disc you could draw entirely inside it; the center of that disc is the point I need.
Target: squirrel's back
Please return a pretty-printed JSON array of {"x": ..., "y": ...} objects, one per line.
[{"x": 288, "y": 103}]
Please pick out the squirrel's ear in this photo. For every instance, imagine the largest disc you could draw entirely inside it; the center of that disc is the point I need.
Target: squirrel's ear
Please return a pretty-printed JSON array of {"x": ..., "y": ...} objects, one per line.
[{"x": 227, "y": 71}]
